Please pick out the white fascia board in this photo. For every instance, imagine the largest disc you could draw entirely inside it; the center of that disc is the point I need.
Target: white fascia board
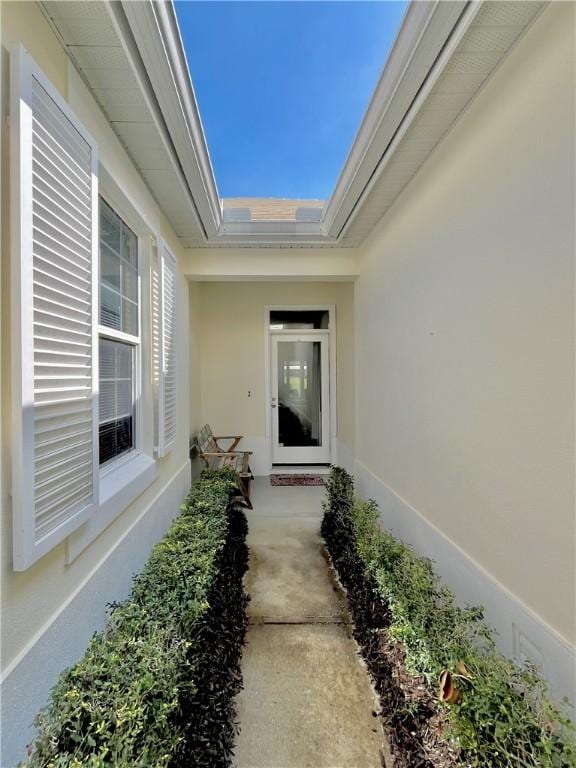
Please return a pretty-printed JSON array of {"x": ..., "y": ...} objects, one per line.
[{"x": 423, "y": 35}]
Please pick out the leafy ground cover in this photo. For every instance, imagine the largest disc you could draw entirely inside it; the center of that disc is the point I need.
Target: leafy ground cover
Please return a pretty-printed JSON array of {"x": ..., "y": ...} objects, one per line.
[
  {"x": 156, "y": 687},
  {"x": 448, "y": 697}
]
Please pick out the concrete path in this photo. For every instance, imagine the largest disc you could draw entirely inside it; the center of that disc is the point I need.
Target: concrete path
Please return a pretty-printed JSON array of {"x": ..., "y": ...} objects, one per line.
[{"x": 307, "y": 701}]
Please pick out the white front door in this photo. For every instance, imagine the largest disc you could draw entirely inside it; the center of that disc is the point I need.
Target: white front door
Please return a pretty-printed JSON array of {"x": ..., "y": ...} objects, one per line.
[{"x": 300, "y": 398}]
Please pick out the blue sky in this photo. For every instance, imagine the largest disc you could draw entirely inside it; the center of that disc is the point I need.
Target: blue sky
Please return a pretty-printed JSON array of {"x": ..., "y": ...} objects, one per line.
[{"x": 282, "y": 87}]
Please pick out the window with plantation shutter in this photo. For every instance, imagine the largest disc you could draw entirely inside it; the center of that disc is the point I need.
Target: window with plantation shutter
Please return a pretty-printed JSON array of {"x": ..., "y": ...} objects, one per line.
[
  {"x": 119, "y": 334},
  {"x": 54, "y": 318},
  {"x": 167, "y": 384}
]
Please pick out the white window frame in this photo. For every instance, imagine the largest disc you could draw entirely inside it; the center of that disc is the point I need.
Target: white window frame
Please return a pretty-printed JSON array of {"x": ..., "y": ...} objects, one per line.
[
  {"x": 125, "y": 477},
  {"x": 106, "y": 332}
]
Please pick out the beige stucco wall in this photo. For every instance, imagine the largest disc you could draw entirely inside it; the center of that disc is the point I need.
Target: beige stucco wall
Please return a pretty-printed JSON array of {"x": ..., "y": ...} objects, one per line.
[
  {"x": 465, "y": 330},
  {"x": 31, "y": 600},
  {"x": 232, "y": 356}
]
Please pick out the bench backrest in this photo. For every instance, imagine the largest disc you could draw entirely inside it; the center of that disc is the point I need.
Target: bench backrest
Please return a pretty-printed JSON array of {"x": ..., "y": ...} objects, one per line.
[{"x": 205, "y": 440}]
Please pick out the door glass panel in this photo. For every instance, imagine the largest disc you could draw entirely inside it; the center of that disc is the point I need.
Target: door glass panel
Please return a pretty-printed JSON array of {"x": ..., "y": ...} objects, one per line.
[
  {"x": 299, "y": 393},
  {"x": 290, "y": 319}
]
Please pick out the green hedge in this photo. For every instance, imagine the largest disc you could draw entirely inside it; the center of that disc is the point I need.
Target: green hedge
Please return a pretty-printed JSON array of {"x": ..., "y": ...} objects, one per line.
[
  {"x": 504, "y": 718},
  {"x": 120, "y": 704}
]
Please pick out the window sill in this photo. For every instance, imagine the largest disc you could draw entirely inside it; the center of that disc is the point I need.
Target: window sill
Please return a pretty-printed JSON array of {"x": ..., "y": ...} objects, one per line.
[{"x": 119, "y": 487}]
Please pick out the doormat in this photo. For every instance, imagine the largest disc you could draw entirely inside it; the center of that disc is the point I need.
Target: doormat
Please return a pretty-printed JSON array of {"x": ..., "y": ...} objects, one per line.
[{"x": 296, "y": 480}]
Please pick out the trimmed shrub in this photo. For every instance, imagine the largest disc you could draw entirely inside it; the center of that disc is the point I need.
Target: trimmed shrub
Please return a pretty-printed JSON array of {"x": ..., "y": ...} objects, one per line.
[
  {"x": 155, "y": 688},
  {"x": 502, "y": 716}
]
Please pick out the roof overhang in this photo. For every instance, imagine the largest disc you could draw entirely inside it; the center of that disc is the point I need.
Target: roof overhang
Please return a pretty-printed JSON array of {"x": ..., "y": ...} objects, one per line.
[{"x": 442, "y": 56}]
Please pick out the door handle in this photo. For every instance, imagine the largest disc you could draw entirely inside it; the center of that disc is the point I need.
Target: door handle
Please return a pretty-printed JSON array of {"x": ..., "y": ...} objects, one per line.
[{"x": 273, "y": 405}]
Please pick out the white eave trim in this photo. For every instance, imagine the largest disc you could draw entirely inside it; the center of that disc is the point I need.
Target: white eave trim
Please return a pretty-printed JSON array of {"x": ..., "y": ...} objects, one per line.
[
  {"x": 426, "y": 28},
  {"x": 427, "y": 39},
  {"x": 170, "y": 32},
  {"x": 156, "y": 35},
  {"x": 423, "y": 35}
]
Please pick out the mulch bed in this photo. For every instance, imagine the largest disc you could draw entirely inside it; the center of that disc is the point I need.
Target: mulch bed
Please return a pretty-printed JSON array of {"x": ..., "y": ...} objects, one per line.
[
  {"x": 412, "y": 720},
  {"x": 296, "y": 480},
  {"x": 210, "y": 714}
]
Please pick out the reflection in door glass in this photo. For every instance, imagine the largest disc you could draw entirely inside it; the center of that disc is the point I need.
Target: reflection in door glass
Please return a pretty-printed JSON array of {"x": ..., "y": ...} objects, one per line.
[{"x": 299, "y": 393}]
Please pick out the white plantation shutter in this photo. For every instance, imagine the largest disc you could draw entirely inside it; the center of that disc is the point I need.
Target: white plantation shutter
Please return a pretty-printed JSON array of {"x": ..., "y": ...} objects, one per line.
[
  {"x": 54, "y": 290},
  {"x": 155, "y": 330},
  {"x": 167, "y": 384}
]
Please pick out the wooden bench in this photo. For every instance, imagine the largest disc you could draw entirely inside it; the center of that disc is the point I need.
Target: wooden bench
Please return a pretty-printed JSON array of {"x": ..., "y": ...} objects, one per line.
[
  {"x": 207, "y": 443},
  {"x": 216, "y": 457}
]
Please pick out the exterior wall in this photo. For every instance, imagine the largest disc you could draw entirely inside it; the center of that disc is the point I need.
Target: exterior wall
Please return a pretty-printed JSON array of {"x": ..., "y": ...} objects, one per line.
[
  {"x": 43, "y": 606},
  {"x": 465, "y": 348},
  {"x": 463, "y": 355},
  {"x": 232, "y": 355}
]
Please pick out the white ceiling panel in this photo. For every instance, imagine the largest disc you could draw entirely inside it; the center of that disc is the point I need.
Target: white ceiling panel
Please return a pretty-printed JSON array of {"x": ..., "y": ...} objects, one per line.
[
  {"x": 122, "y": 114},
  {"x": 88, "y": 10},
  {"x": 449, "y": 103},
  {"x": 464, "y": 63},
  {"x": 147, "y": 158},
  {"x": 433, "y": 118},
  {"x": 78, "y": 31},
  {"x": 111, "y": 78},
  {"x": 451, "y": 83},
  {"x": 491, "y": 38},
  {"x": 510, "y": 13},
  {"x": 122, "y": 97},
  {"x": 106, "y": 57},
  {"x": 410, "y": 157}
]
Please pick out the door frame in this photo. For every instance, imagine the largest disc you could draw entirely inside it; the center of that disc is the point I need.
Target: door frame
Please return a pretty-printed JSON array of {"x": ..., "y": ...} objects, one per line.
[
  {"x": 331, "y": 309},
  {"x": 302, "y": 455}
]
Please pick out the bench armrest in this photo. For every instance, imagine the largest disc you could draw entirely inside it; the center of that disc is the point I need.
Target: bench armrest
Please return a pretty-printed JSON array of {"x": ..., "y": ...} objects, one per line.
[
  {"x": 227, "y": 453},
  {"x": 234, "y": 440}
]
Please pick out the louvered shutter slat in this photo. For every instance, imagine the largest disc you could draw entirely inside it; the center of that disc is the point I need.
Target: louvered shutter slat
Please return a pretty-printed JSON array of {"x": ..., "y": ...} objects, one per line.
[
  {"x": 168, "y": 380},
  {"x": 64, "y": 457},
  {"x": 52, "y": 278},
  {"x": 60, "y": 198},
  {"x": 55, "y": 484}
]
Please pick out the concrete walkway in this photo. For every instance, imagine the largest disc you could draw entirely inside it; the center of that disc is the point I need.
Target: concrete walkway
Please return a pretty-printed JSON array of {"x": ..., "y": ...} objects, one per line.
[{"x": 307, "y": 701}]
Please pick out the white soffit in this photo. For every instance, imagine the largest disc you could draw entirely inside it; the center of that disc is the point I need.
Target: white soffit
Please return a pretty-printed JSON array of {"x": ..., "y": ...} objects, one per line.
[{"x": 95, "y": 40}]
